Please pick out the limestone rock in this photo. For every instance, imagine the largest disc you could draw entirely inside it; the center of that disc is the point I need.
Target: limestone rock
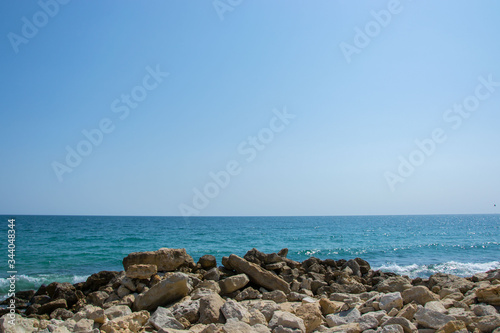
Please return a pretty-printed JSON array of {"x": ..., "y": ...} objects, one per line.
[
  {"x": 267, "y": 308},
  {"x": 248, "y": 293},
  {"x": 481, "y": 310},
  {"x": 394, "y": 328},
  {"x": 91, "y": 312},
  {"x": 165, "y": 259},
  {"x": 210, "y": 309},
  {"x": 391, "y": 301},
  {"x": 98, "y": 280},
  {"x": 310, "y": 314},
  {"x": 490, "y": 295},
  {"x": 233, "y": 283},
  {"x": 130, "y": 323},
  {"x": 164, "y": 319},
  {"x": 452, "y": 326},
  {"x": 97, "y": 298},
  {"x": 277, "y": 295},
  {"x": 450, "y": 281},
  {"x": 488, "y": 323},
  {"x": 342, "y": 318},
  {"x": 168, "y": 290},
  {"x": 207, "y": 262},
  {"x": 408, "y": 311},
  {"x": 116, "y": 311},
  {"x": 236, "y": 326},
  {"x": 436, "y": 306},
  {"x": 287, "y": 320},
  {"x": 432, "y": 319},
  {"x": 47, "y": 308},
  {"x": 22, "y": 325},
  {"x": 258, "y": 275},
  {"x": 83, "y": 326},
  {"x": 141, "y": 271},
  {"x": 329, "y": 307},
  {"x": 393, "y": 284},
  {"x": 188, "y": 309},
  {"x": 419, "y": 294},
  {"x": 408, "y": 326},
  {"x": 233, "y": 310},
  {"x": 345, "y": 328}
]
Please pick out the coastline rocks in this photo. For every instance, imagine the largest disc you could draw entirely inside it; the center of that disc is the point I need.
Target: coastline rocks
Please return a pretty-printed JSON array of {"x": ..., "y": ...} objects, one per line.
[
  {"x": 233, "y": 283},
  {"x": 258, "y": 275},
  {"x": 419, "y": 294},
  {"x": 210, "y": 309},
  {"x": 393, "y": 284},
  {"x": 287, "y": 320},
  {"x": 140, "y": 271},
  {"x": 490, "y": 295},
  {"x": 165, "y": 259},
  {"x": 432, "y": 319},
  {"x": 168, "y": 290},
  {"x": 130, "y": 323},
  {"x": 207, "y": 262}
]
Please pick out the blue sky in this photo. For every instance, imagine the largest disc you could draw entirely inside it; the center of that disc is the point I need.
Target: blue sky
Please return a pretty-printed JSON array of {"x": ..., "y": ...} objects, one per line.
[{"x": 249, "y": 107}]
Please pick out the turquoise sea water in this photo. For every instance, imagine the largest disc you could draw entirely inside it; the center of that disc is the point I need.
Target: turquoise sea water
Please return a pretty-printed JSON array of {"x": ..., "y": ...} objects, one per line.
[{"x": 69, "y": 248}]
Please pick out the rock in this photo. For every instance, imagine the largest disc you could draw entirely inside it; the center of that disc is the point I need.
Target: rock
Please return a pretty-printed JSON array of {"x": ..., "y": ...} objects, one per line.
[
  {"x": 64, "y": 291},
  {"x": 390, "y": 301},
  {"x": 345, "y": 328},
  {"x": 165, "y": 259},
  {"x": 98, "y": 280},
  {"x": 364, "y": 266},
  {"x": 61, "y": 313},
  {"x": 83, "y": 326},
  {"x": 130, "y": 323},
  {"x": 481, "y": 310},
  {"x": 329, "y": 307},
  {"x": 210, "y": 285},
  {"x": 490, "y": 295},
  {"x": 97, "y": 298},
  {"x": 210, "y": 307},
  {"x": 419, "y": 294},
  {"x": 310, "y": 313},
  {"x": 393, "y": 284},
  {"x": 435, "y": 306},
  {"x": 267, "y": 308},
  {"x": 117, "y": 311},
  {"x": 207, "y": 262},
  {"x": 235, "y": 326},
  {"x": 408, "y": 326},
  {"x": 488, "y": 323},
  {"x": 452, "y": 326},
  {"x": 164, "y": 319},
  {"x": 287, "y": 320},
  {"x": 408, "y": 311},
  {"x": 168, "y": 290},
  {"x": 141, "y": 271},
  {"x": 354, "y": 266},
  {"x": 344, "y": 317},
  {"x": 188, "y": 309},
  {"x": 258, "y": 275},
  {"x": 450, "y": 281},
  {"x": 248, "y": 293},
  {"x": 233, "y": 283},
  {"x": 122, "y": 291},
  {"x": 213, "y": 274},
  {"x": 395, "y": 328},
  {"x": 256, "y": 317},
  {"x": 91, "y": 312},
  {"x": 432, "y": 319},
  {"x": 47, "y": 308},
  {"x": 233, "y": 310},
  {"x": 22, "y": 325},
  {"x": 277, "y": 295},
  {"x": 367, "y": 321}
]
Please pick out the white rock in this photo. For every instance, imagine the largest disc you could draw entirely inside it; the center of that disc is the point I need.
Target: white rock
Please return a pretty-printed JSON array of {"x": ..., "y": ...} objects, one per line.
[
  {"x": 390, "y": 301},
  {"x": 163, "y": 319},
  {"x": 233, "y": 310}
]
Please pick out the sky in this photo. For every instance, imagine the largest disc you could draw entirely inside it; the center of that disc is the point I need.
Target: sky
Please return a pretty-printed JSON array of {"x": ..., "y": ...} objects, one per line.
[{"x": 237, "y": 107}]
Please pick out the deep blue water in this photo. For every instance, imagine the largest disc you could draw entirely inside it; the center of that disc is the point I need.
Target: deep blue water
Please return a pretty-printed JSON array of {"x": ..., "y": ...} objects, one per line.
[{"x": 69, "y": 248}]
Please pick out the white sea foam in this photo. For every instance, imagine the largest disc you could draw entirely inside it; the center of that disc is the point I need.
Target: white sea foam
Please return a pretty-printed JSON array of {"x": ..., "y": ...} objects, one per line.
[{"x": 451, "y": 267}]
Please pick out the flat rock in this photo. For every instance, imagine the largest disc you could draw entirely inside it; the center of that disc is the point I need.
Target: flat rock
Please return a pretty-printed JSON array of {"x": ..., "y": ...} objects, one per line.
[
  {"x": 393, "y": 284},
  {"x": 165, "y": 259},
  {"x": 141, "y": 271},
  {"x": 258, "y": 275},
  {"x": 490, "y": 295},
  {"x": 233, "y": 283},
  {"x": 168, "y": 290}
]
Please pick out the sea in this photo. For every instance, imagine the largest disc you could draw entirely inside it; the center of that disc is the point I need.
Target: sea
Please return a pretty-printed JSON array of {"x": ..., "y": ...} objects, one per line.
[{"x": 70, "y": 248}]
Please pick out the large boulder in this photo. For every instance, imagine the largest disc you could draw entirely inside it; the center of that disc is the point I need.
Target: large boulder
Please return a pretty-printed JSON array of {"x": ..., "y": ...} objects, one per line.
[
  {"x": 210, "y": 309},
  {"x": 393, "y": 284},
  {"x": 233, "y": 283},
  {"x": 287, "y": 320},
  {"x": 419, "y": 294},
  {"x": 166, "y": 260},
  {"x": 432, "y": 319},
  {"x": 234, "y": 310},
  {"x": 258, "y": 275},
  {"x": 64, "y": 291},
  {"x": 141, "y": 271},
  {"x": 390, "y": 301},
  {"x": 166, "y": 291},
  {"x": 442, "y": 280},
  {"x": 490, "y": 295},
  {"x": 97, "y": 280},
  {"x": 24, "y": 325},
  {"x": 311, "y": 315},
  {"x": 207, "y": 262},
  {"x": 164, "y": 319}
]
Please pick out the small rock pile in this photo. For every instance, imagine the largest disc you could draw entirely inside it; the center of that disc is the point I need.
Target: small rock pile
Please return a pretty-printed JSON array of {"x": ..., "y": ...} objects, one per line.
[{"x": 165, "y": 291}]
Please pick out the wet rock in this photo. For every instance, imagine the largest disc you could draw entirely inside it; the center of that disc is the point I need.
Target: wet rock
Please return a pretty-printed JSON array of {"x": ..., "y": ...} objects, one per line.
[{"x": 98, "y": 280}]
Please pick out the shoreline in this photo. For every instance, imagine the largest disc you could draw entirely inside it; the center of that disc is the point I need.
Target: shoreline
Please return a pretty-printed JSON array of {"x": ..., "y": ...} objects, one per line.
[{"x": 166, "y": 291}]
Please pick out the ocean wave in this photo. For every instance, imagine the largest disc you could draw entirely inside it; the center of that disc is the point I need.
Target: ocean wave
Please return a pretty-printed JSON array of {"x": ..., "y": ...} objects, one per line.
[
  {"x": 451, "y": 267},
  {"x": 27, "y": 282}
]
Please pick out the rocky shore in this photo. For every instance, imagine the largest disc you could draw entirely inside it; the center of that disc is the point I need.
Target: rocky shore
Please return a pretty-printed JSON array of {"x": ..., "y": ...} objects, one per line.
[{"x": 166, "y": 291}]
